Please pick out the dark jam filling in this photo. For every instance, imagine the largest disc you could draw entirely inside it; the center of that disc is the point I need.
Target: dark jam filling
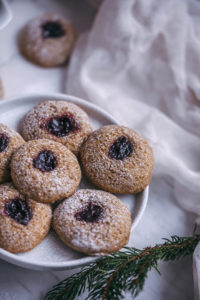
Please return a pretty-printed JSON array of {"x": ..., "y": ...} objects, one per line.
[
  {"x": 91, "y": 213},
  {"x": 45, "y": 161},
  {"x": 121, "y": 148},
  {"x": 61, "y": 125},
  {"x": 52, "y": 29},
  {"x": 19, "y": 210},
  {"x": 4, "y": 140}
]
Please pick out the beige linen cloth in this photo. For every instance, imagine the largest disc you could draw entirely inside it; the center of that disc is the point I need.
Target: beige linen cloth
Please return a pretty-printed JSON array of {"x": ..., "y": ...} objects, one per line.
[{"x": 141, "y": 62}]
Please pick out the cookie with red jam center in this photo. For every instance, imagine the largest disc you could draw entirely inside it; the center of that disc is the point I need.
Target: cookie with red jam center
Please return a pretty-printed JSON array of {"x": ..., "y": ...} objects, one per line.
[
  {"x": 93, "y": 222},
  {"x": 10, "y": 141},
  {"x": 117, "y": 159},
  {"x": 60, "y": 121},
  {"x": 47, "y": 40},
  {"x": 24, "y": 223},
  {"x": 45, "y": 171}
]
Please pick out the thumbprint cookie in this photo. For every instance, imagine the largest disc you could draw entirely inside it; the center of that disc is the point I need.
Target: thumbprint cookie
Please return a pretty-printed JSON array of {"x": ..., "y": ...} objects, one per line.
[
  {"x": 45, "y": 171},
  {"x": 117, "y": 159},
  {"x": 60, "y": 121},
  {"x": 93, "y": 222},
  {"x": 47, "y": 40}
]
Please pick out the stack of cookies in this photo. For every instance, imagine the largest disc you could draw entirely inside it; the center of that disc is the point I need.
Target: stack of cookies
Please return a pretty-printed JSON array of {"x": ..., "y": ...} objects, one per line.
[{"x": 43, "y": 164}]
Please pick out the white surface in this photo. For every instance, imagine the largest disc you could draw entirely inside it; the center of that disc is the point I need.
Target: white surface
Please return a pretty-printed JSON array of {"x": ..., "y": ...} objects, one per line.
[
  {"x": 163, "y": 216},
  {"x": 52, "y": 254}
]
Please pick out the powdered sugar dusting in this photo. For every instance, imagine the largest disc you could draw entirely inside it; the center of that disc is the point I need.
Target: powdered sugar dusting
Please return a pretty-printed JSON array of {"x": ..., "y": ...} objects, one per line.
[
  {"x": 45, "y": 186},
  {"x": 31, "y": 126},
  {"x": 109, "y": 234}
]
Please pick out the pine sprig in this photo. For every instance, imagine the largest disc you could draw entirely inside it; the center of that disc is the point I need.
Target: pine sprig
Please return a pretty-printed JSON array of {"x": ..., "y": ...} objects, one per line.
[{"x": 111, "y": 276}]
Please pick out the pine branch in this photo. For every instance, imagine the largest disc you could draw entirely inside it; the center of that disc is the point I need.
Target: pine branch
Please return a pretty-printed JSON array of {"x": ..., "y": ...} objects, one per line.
[{"x": 111, "y": 276}]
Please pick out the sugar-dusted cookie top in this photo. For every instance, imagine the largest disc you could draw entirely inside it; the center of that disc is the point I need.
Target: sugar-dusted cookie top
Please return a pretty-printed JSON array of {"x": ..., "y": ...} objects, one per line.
[
  {"x": 45, "y": 171},
  {"x": 92, "y": 221},
  {"x": 60, "y": 121}
]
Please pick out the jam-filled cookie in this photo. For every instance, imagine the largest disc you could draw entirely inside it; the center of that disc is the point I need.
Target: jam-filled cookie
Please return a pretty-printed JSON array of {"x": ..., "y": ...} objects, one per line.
[
  {"x": 60, "y": 121},
  {"x": 93, "y": 222},
  {"x": 47, "y": 40},
  {"x": 117, "y": 159},
  {"x": 45, "y": 171},
  {"x": 10, "y": 141},
  {"x": 24, "y": 223}
]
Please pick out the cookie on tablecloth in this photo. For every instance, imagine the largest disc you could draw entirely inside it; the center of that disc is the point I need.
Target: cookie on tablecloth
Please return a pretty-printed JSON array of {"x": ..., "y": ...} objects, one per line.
[
  {"x": 47, "y": 40},
  {"x": 94, "y": 222}
]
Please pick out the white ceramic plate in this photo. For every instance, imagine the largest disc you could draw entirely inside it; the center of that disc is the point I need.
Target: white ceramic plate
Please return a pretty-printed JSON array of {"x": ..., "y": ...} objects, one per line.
[
  {"x": 5, "y": 14},
  {"x": 52, "y": 253}
]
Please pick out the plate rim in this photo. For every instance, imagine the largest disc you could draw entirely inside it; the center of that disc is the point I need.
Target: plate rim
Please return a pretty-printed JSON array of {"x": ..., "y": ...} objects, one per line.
[{"x": 75, "y": 263}]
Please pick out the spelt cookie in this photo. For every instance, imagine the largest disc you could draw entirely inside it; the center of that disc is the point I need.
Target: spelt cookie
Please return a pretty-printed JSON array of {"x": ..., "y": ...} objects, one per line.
[
  {"x": 47, "y": 40},
  {"x": 93, "y": 222},
  {"x": 10, "y": 141},
  {"x": 60, "y": 121},
  {"x": 1, "y": 89},
  {"x": 24, "y": 223},
  {"x": 117, "y": 159},
  {"x": 45, "y": 171}
]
